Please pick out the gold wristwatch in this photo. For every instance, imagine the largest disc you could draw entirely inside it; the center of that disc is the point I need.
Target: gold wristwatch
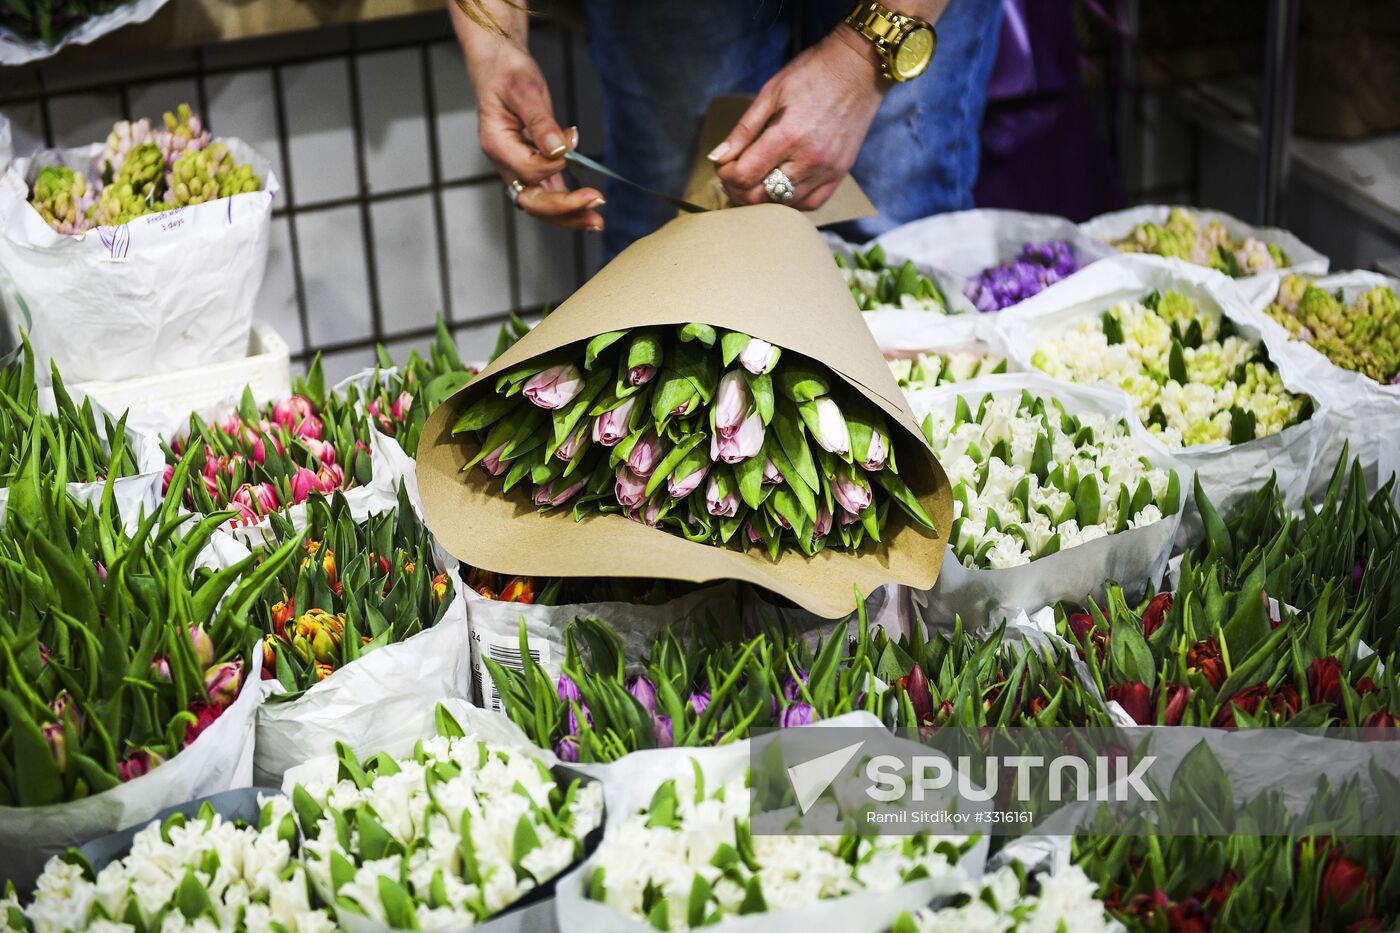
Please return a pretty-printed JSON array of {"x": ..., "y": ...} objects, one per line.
[{"x": 906, "y": 44}]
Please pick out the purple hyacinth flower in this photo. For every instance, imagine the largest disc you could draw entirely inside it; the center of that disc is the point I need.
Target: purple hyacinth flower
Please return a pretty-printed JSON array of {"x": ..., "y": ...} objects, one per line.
[{"x": 797, "y": 714}]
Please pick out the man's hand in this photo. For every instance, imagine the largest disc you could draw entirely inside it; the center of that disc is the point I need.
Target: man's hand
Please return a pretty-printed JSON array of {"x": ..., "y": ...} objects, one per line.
[
  {"x": 517, "y": 129},
  {"x": 809, "y": 120}
]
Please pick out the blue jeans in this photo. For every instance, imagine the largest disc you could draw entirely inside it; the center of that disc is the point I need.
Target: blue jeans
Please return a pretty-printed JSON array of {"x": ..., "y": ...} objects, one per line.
[{"x": 661, "y": 62}]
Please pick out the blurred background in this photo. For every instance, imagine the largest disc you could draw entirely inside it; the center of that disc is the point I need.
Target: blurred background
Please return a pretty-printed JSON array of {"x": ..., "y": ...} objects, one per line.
[{"x": 1281, "y": 112}]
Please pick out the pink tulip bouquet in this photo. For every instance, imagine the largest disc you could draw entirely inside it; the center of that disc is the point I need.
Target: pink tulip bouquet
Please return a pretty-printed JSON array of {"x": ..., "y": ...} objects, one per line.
[
  {"x": 258, "y": 461},
  {"x": 717, "y": 436}
]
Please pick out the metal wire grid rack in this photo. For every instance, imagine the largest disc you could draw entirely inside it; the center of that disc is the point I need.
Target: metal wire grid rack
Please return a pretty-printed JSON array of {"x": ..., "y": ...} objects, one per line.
[{"x": 33, "y": 91}]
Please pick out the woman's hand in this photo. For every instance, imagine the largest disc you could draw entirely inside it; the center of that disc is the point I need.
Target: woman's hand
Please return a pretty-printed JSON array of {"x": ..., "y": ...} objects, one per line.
[
  {"x": 809, "y": 120},
  {"x": 517, "y": 129}
]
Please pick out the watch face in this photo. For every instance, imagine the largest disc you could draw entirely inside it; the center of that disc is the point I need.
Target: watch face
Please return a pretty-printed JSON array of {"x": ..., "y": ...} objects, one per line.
[{"x": 914, "y": 54}]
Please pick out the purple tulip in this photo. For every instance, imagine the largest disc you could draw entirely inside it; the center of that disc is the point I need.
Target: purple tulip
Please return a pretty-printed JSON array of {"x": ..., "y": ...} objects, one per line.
[
  {"x": 853, "y": 495},
  {"x": 566, "y": 749},
  {"x": 644, "y": 691},
  {"x": 831, "y": 431},
  {"x": 612, "y": 426},
  {"x": 796, "y": 714},
  {"x": 573, "y": 443},
  {"x": 575, "y": 709},
  {"x": 645, "y": 455},
  {"x": 664, "y": 732},
  {"x": 875, "y": 456},
  {"x": 567, "y": 689},
  {"x": 823, "y": 524},
  {"x": 650, "y": 516},
  {"x": 759, "y": 356},
  {"x": 679, "y": 489},
  {"x": 546, "y": 496},
  {"x": 845, "y": 517},
  {"x": 792, "y": 686},
  {"x": 640, "y": 375},
  {"x": 771, "y": 475},
  {"x": 492, "y": 462},
  {"x": 554, "y": 387},
  {"x": 700, "y": 701},
  {"x": 738, "y": 428},
  {"x": 630, "y": 490},
  {"x": 754, "y": 536},
  {"x": 720, "y": 504}
]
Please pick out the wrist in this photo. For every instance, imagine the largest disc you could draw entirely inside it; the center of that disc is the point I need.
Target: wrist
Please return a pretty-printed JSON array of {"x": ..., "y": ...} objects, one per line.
[{"x": 854, "y": 47}]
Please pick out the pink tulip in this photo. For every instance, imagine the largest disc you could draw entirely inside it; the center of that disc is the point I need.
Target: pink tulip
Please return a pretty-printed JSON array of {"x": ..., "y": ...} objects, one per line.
[
  {"x": 630, "y": 490},
  {"x": 302, "y": 484},
  {"x": 853, "y": 495},
  {"x": 136, "y": 763},
  {"x": 554, "y": 387},
  {"x": 640, "y": 375},
  {"x": 759, "y": 356},
  {"x": 329, "y": 478},
  {"x": 546, "y": 495},
  {"x": 213, "y": 466},
  {"x": 683, "y": 409},
  {"x": 831, "y": 430},
  {"x": 723, "y": 505},
  {"x": 221, "y": 682},
  {"x": 612, "y": 426},
  {"x": 58, "y": 743},
  {"x": 165, "y": 480},
  {"x": 648, "y": 516},
  {"x": 308, "y": 427},
  {"x": 259, "y": 448},
  {"x": 290, "y": 411},
  {"x": 875, "y": 456},
  {"x": 754, "y": 536},
  {"x": 645, "y": 455},
  {"x": 323, "y": 451},
  {"x": 844, "y": 517},
  {"x": 203, "y": 646},
  {"x": 261, "y": 498},
  {"x": 572, "y": 444},
  {"x": 211, "y": 484},
  {"x": 246, "y": 514},
  {"x": 683, "y": 487},
  {"x": 232, "y": 426},
  {"x": 823, "y": 523},
  {"x": 160, "y": 669},
  {"x": 738, "y": 428},
  {"x": 492, "y": 461},
  {"x": 401, "y": 406},
  {"x": 771, "y": 475}
]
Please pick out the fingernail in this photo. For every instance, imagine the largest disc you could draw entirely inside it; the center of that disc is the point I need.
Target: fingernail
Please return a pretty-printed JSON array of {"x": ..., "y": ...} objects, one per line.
[
  {"x": 573, "y": 137},
  {"x": 553, "y": 145},
  {"x": 596, "y": 228},
  {"x": 597, "y": 202},
  {"x": 719, "y": 152}
]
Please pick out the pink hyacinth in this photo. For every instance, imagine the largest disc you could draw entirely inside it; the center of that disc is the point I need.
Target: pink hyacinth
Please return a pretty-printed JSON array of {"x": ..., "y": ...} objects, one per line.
[{"x": 554, "y": 387}]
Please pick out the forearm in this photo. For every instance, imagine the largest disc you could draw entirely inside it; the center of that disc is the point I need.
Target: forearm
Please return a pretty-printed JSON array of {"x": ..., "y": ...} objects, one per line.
[{"x": 482, "y": 45}]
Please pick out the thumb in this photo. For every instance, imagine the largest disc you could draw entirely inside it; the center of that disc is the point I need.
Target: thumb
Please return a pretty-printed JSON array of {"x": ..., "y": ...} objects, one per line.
[
  {"x": 545, "y": 133},
  {"x": 745, "y": 131}
]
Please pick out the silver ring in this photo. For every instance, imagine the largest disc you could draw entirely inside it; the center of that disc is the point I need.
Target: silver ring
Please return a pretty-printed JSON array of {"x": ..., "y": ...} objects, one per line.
[
  {"x": 779, "y": 187},
  {"x": 513, "y": 189}
]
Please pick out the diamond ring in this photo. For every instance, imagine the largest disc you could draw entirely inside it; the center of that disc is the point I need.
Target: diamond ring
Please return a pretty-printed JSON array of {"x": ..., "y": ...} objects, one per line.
[
  {"x": 513, "y": 189},
  {"x": 779, "y": 187}
]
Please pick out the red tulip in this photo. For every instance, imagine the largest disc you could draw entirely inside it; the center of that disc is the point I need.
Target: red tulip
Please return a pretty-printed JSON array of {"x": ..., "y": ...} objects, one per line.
[
  {"x": 1342, "y": 879},
  {"x": 915, "y": 684},
  {"x": 1325, "y": 681},
  {"x": 1177, "y": 696},
  {"x": 1135, "y": 699},
  {"x": 1156, "y": 613}
]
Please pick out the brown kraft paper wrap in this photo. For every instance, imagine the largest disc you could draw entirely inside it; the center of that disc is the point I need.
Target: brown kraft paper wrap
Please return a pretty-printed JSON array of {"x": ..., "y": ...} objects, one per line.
[{"x": 764, "y": 271}]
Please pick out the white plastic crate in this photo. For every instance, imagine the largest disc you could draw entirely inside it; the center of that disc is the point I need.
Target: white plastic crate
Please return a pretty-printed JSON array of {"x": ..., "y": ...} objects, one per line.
[{"x": 162, "y": 404}]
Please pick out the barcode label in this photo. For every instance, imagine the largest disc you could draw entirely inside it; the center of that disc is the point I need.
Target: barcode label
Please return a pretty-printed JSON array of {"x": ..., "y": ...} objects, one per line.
[{"x": 505, "y": 651}]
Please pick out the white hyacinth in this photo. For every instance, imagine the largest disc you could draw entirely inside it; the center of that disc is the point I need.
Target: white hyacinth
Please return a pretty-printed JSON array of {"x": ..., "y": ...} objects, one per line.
[
  {"x": 1030, "y": 480},
  {"x": 204, "y": 873},
  {"x": 689, "y": 859},
  {"x": 999, "y": 903},
  {"x": 389, "y": 840}
]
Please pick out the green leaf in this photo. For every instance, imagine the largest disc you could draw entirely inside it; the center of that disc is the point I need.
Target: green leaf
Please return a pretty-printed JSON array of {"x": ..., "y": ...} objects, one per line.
[
  {"x": 1086, "y": 500},
  {"x": 398, "y": 905},
  {"x": 598, "y": 344},
  {"x": 191, "y": 897}
]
